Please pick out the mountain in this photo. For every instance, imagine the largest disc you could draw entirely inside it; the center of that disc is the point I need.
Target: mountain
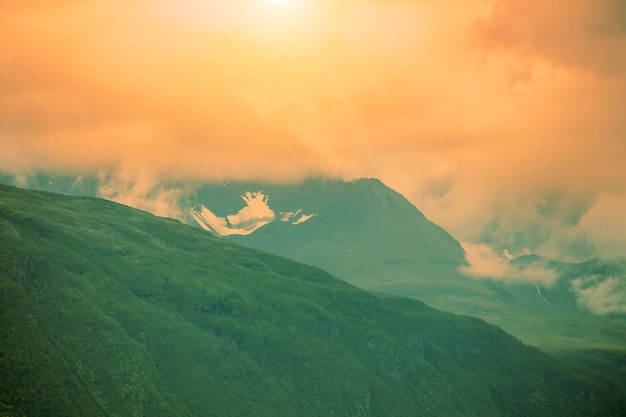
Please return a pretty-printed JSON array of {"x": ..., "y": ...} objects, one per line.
[
  {"x": 109, "y": 311},
  {"x": 601, "y": 283},
  {"x": 361, "y": 231},
  {"x": 369, "y": 235},
  {"x": 580, "y": 316}
]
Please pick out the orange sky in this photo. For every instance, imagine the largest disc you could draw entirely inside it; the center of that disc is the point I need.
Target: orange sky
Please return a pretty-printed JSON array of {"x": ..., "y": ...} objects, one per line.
[{"x": 503, "y": 121}]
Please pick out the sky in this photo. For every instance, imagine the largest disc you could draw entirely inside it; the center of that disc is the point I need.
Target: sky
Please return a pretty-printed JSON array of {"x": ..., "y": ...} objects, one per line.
[{"x": 503, "y": 121}]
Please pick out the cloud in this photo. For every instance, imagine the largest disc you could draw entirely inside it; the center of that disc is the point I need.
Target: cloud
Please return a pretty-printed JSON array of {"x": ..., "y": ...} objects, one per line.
[
  {"x": 604, "y": 225},
  {"x": 582, "y": 34},
  {"x": 142, "y": 192},
  {"x": 606, "y": 296},
  {"x": 560, "y": 226},
  {"x": 478, "y": 111},
  {"x": 484, "y": 263}
]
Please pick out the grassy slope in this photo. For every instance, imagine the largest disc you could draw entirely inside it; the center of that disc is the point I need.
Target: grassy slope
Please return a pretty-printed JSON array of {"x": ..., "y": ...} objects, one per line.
[
  {"x": 107, "y": 311},
  {"x": 369, "y": 235},
  {"x": 609, "y": 362},
  {"x": 520, "y": 311},
  {"x": 516, "y": 308}
]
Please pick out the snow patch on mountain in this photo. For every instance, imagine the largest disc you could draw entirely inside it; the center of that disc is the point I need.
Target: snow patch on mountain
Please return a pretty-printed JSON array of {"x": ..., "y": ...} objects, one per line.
[
  {"x": 288, "y": 215},
  {"x": 507, "y": 255},
  {"x": 256, "y": 214},
  {"x": 601, "y": 295},
  {"x": 304, "y": 218}
]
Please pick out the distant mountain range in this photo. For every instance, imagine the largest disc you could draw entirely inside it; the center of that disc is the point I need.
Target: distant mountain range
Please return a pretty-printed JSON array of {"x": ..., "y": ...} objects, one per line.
[
  {"x": 107, "y": 310},
  {"x": 369, "y": 235}
]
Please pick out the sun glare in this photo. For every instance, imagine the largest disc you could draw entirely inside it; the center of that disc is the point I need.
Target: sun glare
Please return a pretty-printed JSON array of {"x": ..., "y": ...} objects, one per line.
[
  {"x": 275, "y": 16},
  {"x": 279, "y": 2},
  {"x": 284, "y": 6}
]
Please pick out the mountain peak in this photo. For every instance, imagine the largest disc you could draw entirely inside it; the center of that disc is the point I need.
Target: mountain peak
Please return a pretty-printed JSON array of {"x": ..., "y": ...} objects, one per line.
[{"x": 363, "y": 231}]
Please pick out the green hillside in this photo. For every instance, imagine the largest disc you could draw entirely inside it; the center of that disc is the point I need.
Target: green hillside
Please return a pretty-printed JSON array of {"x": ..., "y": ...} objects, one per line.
[
  {"x": 109, "y": 311},
  {"x": 369, "y": 235}
]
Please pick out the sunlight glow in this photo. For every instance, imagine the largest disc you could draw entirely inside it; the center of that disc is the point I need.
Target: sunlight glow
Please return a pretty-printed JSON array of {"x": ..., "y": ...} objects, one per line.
[
  {"x": 282, "y": 17},
  {"x": 279, "y": 2},
  {"x": 286, "y": 7}
]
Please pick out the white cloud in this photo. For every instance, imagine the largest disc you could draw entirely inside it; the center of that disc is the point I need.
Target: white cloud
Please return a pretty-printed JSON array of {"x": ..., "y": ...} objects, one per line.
[
  {"x": 604, "y": 225},
  {"x": 601, "y": 296},
  {"x": 142, "y": 192},
  {"x": 485, "y": 263}
]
